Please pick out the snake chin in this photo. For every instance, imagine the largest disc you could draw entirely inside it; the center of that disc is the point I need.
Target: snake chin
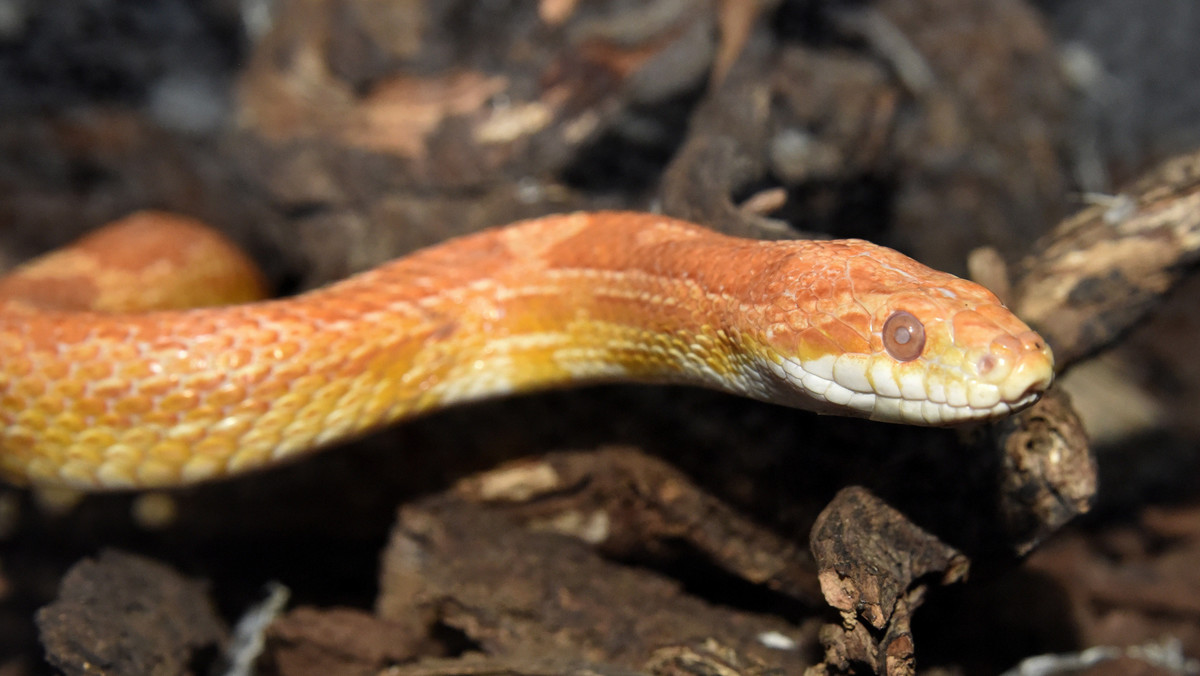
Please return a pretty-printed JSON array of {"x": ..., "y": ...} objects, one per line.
[{"x": 950, "y": 399}]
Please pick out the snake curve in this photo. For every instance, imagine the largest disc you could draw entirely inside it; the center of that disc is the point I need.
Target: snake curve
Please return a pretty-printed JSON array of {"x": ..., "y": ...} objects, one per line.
[{"x": 110, "y": 398}]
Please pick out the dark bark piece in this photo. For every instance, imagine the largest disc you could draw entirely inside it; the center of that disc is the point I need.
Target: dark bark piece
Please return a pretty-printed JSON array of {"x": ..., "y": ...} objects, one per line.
[
  {"x": 510, "y": 592},
  {"x": 1123, "y": 585},
  {"x": 936, "y": 141},
  {"x": 633, "y": 506},
  {"x": 338, "y": 642},
  {"x": 124, "y": 614},
  {"x": 871, "y": 561},
  {"x": 1048, "y": 474},
  {"x": 1102, "y": 270},
  {"x": 380, "y": 128},
  {"x": 979, "y": 130},
  {"x": 725, "y": 150},
  {"x": 785, "y": 118},
  {"x": 485, "y": 665},
  {"x": 457, "y": 103}
]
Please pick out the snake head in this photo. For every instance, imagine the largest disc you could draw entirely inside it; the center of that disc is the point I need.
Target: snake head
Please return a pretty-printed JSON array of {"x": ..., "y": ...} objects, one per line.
[{"x": 896, "y": 341}]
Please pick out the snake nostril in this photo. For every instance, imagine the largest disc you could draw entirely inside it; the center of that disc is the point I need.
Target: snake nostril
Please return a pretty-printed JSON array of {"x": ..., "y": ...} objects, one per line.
[
  {"x": 1031, "y": 341},
  {"x": 986, "y": 363}
]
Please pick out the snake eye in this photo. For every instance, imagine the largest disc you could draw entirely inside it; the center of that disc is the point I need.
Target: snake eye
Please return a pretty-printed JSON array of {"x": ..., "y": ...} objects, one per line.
[{"x": 903, "y": 336}]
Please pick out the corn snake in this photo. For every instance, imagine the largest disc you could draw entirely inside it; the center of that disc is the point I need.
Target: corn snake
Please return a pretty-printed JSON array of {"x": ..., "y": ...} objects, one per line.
[{"x": 103, "y": 390}]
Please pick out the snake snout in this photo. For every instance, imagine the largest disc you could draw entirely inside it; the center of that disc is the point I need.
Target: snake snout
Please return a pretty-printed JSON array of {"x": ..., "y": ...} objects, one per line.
[{"x": 1021, "y": 365}]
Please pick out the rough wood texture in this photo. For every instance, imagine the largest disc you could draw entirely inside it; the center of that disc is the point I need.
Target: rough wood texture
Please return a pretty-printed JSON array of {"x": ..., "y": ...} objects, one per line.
[
  {"x": 871, "y": 559},
  {"x": 633, "y": 507},
  {"x": 125, "y": 614},
  {"x": 1048, "y": 472},
  {"x": 511, "y": 592},
  {"x": 1102, "y": 270}
]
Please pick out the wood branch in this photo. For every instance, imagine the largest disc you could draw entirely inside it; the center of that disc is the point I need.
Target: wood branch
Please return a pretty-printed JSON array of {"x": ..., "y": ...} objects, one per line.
[{"x": 1100, "y": 272}]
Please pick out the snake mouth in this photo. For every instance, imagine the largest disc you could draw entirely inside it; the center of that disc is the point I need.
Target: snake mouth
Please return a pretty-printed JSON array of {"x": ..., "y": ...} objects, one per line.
[
  {"x": 1008, "y": 378},
  {"x": 1021, "y": 367}
]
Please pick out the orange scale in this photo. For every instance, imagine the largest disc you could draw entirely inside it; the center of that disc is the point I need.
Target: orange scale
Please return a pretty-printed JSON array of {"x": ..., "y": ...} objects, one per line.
[
  {"x": 28, "y": 418},
  {"x": 295, "y": 329},
  {"x": 226, "y": 394},
  {"x": 154, "y": 384},
  {"x": 164, "y": 341},
  {"x": 70, "y": 388},
  {"x": 92, "y": 441},
  {"x": 218, "y": 341},
  {"x": 109, "y": 332},
  {"x": 93, "y": 370},
  {"x": 846, "y": 337},
  {"x": 360, "y": 360},
  {"x": 110, "y": 419},
  {"x": 29, "y": 388},
  {"x": 19, "y": 366},
  {"x": 291, "y": 371},
  {"x": 280, "y": 351},
  {"x": 860, "y": 322},
  {"x": 270, "y": 425},
  {"x": 252, "y": 375},
  {"x": 51, "y": 405},
  {"x": 203, "y": 415},
  {"x": 13, "y": 338},
  {"x": 110, "y": 389},
  {"x": 232, "y": 426},
  {"x": 53, "y": 369},
  {"x": 90, "y": 406},
  {"x": 270, "y": 390},
  {"x": 309, "y": 387},
  {"x": 141, "y": 437},
  {"x": 178, "y": 401},
  {"x": 66, "y": 329},
  {"x": 71, "y": 422},
  {"x": 255, "y": 335},
  {"x": 322, "y": 339},
  {"x": 133, "y": 407},
  {"x": 171, "y": 451},
  {"x": 159, "y": 418},
  {"x": 232, "y": 358},
  {"x": 137, "y": 371},
  {"x": 11, "y": 402},
  {"x": 19, "y": 439},
  {"x": 187, "y": 433},
  {"x": 198, "y": 323},
  {"x": 206, "y": 381},
  {"x": 211, "y": 446},
  {"x": 813, "y": 343}
]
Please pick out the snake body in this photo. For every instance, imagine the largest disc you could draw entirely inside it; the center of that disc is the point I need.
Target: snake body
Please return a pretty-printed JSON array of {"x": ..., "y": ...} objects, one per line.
[{"x": 121, "y": 399}]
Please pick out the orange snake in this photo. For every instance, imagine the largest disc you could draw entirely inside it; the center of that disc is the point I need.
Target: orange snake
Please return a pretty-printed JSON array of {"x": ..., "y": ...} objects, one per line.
[{"x": 100, "y": 390}]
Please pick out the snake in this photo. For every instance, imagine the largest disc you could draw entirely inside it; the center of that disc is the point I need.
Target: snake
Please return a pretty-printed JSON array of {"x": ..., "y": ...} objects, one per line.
[{"x": 114, "y": 376}]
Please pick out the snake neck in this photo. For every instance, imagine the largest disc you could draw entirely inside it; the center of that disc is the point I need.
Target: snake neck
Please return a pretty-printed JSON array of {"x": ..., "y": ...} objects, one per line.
[{"x": 548, "y": 311}]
